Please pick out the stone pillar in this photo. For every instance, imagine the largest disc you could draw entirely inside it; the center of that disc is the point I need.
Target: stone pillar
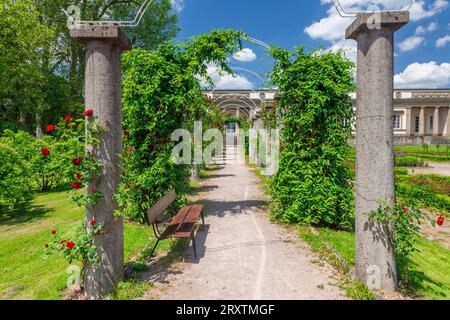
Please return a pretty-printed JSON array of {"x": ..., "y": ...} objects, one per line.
[
  {"x": 375, "y": 256},
  {"x": 408, "y": 122},
  {"x": 436, "y": 121},
  {"x": 422, "y": 122},
  {"x": 104, "y": 45}
]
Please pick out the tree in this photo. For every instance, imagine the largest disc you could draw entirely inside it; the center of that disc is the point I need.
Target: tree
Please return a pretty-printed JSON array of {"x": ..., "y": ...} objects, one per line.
[{"x": 42, "y": 68}]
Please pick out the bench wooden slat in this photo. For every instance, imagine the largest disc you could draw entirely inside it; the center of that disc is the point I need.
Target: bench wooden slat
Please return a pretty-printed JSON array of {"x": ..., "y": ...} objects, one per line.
[
  {"x": 176, "y": 222},
  {"x": 154, "y": 212}
]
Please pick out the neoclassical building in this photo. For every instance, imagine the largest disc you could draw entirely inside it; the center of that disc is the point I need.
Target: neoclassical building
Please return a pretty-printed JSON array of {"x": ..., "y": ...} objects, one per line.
[{"x": 420, "y": 115}]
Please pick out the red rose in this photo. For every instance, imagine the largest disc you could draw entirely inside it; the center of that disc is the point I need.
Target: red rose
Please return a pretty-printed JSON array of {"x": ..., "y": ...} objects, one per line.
[
  {"x": 68, "y": 118},
  {"x": 405, "y": 209},
  {"x": 77, "y": 161},
  {"x": 50, "y": 128},
  {"x": 76, "y": 185},
  {"x": 440, "y": 220},
  {"x": 53, "y": 231},
  {"x": 78, "y": 176},
  {"x": 45, "y": 152},
  {"x": 70, "y": 245},
  {"x": 92, "y": 222},
  {"x": 88, "y": 112}
]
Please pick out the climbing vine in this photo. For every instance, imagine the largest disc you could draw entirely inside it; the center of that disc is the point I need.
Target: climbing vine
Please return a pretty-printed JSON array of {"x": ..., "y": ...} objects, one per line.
[
  {"x": 312, "y": 184},
  {"x": 162, "y": 93}
]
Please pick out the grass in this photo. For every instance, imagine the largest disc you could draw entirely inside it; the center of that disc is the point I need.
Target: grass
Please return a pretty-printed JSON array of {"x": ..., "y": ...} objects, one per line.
[
  {"x": 353, "y": 289},
  {"x": 427, "y": 276},
  {"x": 25, "y": 271}
]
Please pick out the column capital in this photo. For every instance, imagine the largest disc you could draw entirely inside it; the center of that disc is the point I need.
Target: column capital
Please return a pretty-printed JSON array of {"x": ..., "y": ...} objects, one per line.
[
  {"x": 386, "y": 19},
  {"x": 109, "y": 33}
]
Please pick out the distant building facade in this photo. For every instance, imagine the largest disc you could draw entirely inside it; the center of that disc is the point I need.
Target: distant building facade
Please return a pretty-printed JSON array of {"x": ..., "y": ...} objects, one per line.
[{"x": 420, "y": 115}]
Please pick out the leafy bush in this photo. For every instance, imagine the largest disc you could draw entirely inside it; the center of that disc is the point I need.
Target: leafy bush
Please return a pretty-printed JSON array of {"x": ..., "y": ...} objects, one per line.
[
  {"x": 422, "y": 196},
  {"x": 162, "y": 93},
  {"x": 409, "y": 161},
  {"x": 312, "y": 184},
  {"x": 15, "y": 179}
]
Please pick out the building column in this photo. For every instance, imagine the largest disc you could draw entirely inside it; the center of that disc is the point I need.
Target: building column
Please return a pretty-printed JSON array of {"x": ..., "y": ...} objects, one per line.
[
  {"x": 408, "y": 122},
  {"x": 375, "y": 250},
  {"x": 447, "y": 123},
  {"x": 422, "y": 122},
  {"x": 436, "y": 121},
  {"x": 104, "y": 45}
]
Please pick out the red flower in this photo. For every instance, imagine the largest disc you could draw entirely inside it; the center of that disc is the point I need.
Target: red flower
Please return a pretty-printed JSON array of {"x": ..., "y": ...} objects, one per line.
[
  {"x": 88, "y": 113},
  {"x": 440, "y": 220},
  {"x": 126, "y": 133},
  {"x": 70, "y": 245},
  {"x": 78, "y": 176},
  {"x": 68, "y": 118},
  {"x": 53, "y": 231},
  {"x": 405, "y": 209},
  {"x": 92, "y": 222},
  {"x": 77, "y": 161},
  {"x": 45, "y": 152},
  {"x": 76, "y": 185},
  {"x": 50, "y": 128}
]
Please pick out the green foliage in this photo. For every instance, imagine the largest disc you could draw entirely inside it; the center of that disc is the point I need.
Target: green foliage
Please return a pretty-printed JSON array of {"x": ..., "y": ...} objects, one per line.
[
  {"x": 162, "y": 93},
  {"x": 408, "y": 161},
  {"x": 422, "y": 196},
  {"x": 406, "y": 222},
  {"x": 15, "y": 179},
  {"x": 312, "y": 183},
  {"x": 80, "y": 248}
]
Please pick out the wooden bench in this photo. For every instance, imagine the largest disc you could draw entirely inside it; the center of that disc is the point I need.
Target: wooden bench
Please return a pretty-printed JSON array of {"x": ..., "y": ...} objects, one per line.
[{"x": 168, "y": 222}]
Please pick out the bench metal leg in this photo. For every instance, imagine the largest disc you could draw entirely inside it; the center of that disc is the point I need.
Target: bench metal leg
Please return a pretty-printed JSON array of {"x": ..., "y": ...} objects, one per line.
[
  {"x": 194, "y": 246},
  {"x": 154, "y": 248},
  {"x": 203, "y": 221}
]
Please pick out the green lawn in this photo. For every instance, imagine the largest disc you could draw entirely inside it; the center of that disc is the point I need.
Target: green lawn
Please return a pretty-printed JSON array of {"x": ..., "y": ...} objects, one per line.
[
  {"x": 25, "y": 271},
  {"x": 428, "y": 275}
]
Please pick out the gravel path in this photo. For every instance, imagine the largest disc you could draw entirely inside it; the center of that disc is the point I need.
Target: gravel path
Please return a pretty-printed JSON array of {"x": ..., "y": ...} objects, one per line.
[
  {"x": 442, "y": 168},
  {"x": 242, "y": 255}
]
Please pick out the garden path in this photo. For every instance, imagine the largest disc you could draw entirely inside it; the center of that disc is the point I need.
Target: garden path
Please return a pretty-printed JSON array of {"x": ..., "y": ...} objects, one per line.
[
  {"x": 241, "y": 254},
  {"x": 442, "y": 168}
]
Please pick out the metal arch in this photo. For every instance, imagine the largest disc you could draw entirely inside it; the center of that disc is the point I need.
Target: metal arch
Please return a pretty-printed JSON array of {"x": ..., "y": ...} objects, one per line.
[
  {"x": 351, "y": 14},
  {"x": 242, "y": 111},
  {"x": 133, "y": 23},
  {"x": 238, "y": 95},
  {"x": 240, "y": 104}
]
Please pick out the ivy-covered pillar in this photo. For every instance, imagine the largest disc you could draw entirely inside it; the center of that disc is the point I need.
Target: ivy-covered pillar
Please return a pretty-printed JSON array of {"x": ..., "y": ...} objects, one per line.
[
  {"x": 104, "y": 45},
  {"x": 375, "y": 184}
]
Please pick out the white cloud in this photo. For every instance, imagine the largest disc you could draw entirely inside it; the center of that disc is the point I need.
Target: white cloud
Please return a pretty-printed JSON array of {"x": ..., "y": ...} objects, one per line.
[
  {"x": 245, "y": 55},
  {"x": 225, "y": 81},
  {"x": 410, "y": 43},
  {"x": 442, "y": 42},
  {"x": 330, "y": 28},
  {"x": 177, "y": 5},
  {"x": 431, "y": 27},
  {"x": 424, "y": 75},
  {"x": 421, "y": 11}
]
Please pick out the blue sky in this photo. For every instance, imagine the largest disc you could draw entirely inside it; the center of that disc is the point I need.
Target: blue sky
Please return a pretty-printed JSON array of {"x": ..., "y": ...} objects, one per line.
[{"x": 422, "y": 47}]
